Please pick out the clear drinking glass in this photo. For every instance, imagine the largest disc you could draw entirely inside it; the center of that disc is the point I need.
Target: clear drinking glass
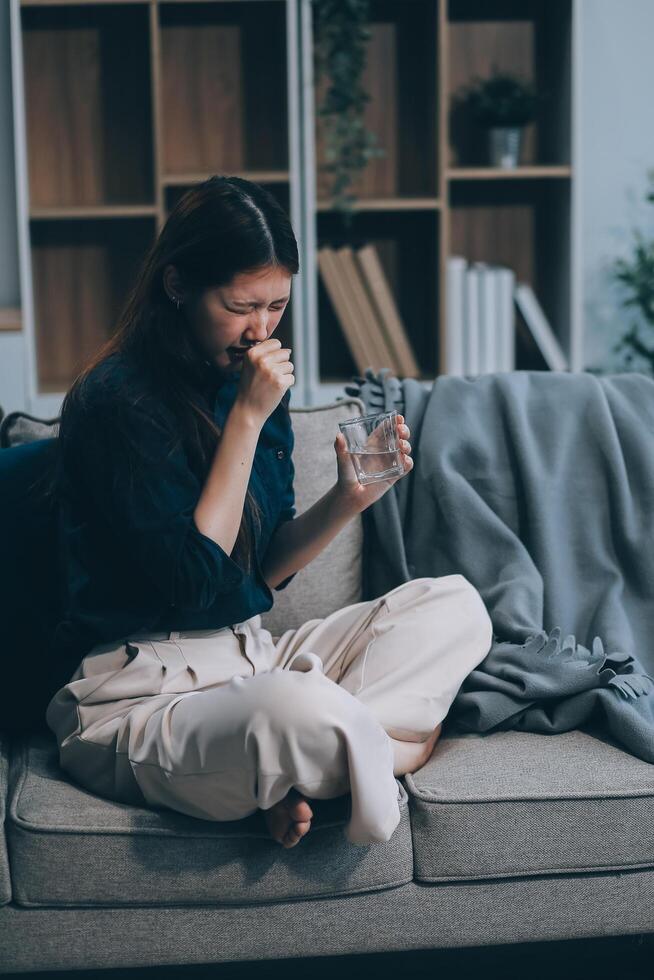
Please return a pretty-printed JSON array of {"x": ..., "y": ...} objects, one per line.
[{"x": 374, "y": 447}]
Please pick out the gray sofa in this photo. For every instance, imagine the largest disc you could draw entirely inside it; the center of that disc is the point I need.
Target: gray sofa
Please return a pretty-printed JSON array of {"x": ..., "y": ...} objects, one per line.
[{"x": 511, "y": 837}]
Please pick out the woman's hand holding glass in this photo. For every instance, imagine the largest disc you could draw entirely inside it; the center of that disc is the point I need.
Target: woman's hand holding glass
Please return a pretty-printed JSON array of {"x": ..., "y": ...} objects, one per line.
[{"x": 358, "y": 495}]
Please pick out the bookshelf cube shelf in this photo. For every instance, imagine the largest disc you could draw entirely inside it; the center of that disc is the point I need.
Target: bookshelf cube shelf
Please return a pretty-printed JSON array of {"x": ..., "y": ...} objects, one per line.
[
  {"x": 82, "y": 272},
  {"x": 523, "y": 224},
  {"x": 223, "y": 88},
  {"x": 530, "y": 38},
  {"x": 401, "y": 77},
  {"x": 407, "y": 245},
  {"x": 122, "y": 105},
  {"x": 87, "y": 105}
]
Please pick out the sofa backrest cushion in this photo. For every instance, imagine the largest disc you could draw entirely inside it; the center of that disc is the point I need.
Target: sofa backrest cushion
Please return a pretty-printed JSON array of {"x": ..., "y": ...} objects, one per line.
[
  {"x": 334, "y": 578},
  {"x": 18, "y": 427},
  {"x": 29, "y": 596}
]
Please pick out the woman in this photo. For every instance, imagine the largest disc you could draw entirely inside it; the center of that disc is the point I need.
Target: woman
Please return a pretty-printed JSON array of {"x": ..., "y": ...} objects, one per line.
[{"x": 175, "y": 480}]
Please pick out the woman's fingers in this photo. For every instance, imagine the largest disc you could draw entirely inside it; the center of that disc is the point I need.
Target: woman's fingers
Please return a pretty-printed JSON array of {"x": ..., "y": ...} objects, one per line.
[{"x": 405, "y": 445}]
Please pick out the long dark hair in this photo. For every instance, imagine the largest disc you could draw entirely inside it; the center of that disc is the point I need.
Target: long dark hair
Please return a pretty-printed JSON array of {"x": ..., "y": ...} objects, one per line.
[{"x": 219, "y": 228}]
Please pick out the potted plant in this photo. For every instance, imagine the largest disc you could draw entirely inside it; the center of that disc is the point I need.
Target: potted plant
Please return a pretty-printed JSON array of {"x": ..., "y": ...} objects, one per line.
[
  {"x": 637, "y": 276},
  {"x": 503, "y": 104}
]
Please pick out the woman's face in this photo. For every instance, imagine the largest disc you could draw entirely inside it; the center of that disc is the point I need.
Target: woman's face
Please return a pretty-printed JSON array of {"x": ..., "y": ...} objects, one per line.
[{"x": 241, "y": 314}]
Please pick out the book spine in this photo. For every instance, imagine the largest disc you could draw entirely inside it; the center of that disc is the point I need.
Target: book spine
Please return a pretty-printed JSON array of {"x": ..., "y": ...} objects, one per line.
[
  {"x": 386, "y": 310},
  {"x": 379, "y": 352},
  {"x": 487, "y": 318},
  {"x": 339, "y": 299},
  {"x": 506, "y": 317},
  {"x": 456, "y": 336},
  {"x": 471, "y": 318},
  {"x": 539, "y": 327}
]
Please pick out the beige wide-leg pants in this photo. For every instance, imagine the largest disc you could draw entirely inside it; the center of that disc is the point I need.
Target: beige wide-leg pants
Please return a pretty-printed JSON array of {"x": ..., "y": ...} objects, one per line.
[{"x": 220, "y": 723}]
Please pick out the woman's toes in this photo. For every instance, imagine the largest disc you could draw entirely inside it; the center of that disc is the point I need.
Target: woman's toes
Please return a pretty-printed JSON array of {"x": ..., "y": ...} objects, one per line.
[
  {"x": 296, "y": 832},
  {"x": 297, "y": 805}
]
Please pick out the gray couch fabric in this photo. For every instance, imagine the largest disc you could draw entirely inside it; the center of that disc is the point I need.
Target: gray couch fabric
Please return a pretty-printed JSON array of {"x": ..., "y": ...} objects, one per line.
[
  {"x": 72, "y": 847},
  {"x": 5, "y": 877},
  {"x": 413, "y": 916},
  {"x": 537, "y": 486},
  {"x": 518, "y": 803}
]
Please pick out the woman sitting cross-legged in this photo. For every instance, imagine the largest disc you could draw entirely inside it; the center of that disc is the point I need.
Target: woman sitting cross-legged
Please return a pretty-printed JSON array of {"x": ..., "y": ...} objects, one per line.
[{"x": 174, "y": 481}]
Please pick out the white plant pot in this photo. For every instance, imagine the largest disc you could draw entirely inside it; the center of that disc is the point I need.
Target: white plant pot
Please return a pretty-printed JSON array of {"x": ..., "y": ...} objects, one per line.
[{"x": 504, "y": 144}]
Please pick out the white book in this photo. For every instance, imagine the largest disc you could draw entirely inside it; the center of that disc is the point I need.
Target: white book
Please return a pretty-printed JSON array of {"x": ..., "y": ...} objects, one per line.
[
  {"x": 488, "y": 327},
  {"x": 539, "y": 327},
  {"x": 471, "y": 319},
  {"x": 506, "y": 318},
  {"x": 455, "y": 327}
]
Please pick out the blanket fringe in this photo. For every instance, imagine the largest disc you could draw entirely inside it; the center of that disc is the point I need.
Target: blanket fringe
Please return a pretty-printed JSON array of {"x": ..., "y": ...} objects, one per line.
[{"x": 615, "y": 670}]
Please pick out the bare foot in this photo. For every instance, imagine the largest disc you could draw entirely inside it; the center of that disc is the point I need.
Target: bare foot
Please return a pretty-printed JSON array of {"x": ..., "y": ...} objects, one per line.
[
  {"x": 289, "y": 819},
  {"x": 411, "y": 756}
]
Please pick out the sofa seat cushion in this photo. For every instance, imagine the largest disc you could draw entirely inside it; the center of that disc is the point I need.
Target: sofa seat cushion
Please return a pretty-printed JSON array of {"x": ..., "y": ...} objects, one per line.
[
  {"x": 70, "y": 847},
  {"x": 520, "y": 803},
  {"x": 5, "y": 879}
]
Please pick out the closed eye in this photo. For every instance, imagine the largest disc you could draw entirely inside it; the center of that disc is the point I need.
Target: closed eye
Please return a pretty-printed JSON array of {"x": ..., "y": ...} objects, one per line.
[{"x": 275, "y": 308}]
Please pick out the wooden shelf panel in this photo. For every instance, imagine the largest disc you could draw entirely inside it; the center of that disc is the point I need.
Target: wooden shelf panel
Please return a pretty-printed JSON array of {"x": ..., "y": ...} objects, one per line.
[
  {"x": 82, "y": 272},
  {"x": 220, "y": 112},
  {"x": 401, "y": 77},
  {"x": 79, "y": 3},
  {"x": 101, "y": 211},
  {"x": 258, "y": 176},
  {"x": 497, "y": 173},
  {"x": 388, "y": 204},
  {"x": 407, "y": 244},
  {"x": 88, "y": 114}
]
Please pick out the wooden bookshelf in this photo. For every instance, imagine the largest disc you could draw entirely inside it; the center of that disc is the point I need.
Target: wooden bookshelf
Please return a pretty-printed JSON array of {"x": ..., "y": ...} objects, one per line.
[
  {"x": 121, "y": 105},
  {"x": 518, "y": 217},
  {"x": 433, "y": 195}
]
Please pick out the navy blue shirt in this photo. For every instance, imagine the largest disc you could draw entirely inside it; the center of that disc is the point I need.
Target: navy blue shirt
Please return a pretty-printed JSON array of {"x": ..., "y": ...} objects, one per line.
[{"x": 132, "y": 558}]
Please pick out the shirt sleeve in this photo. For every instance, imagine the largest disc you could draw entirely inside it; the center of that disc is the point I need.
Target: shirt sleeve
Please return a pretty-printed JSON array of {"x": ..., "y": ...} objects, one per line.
[
  {"x": 150, "y": 506},
  {"x": 288, "y": 511}
]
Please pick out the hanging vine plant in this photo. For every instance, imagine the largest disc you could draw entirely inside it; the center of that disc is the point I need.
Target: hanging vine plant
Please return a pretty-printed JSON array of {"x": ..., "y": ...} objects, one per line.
[{"x": 341, "y": 34}]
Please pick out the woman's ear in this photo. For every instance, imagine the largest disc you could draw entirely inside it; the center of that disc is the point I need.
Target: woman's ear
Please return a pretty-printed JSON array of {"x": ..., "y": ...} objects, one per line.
[{"x": 173, "y": 283}]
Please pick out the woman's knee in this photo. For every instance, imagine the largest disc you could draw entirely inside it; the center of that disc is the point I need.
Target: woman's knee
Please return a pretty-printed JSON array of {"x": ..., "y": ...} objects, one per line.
[
  {"x": 303, "y": 700},
  {"x": 302, "y": 725},
  {"x": 478, "y": 616},
  {"x": 467, "y": 603}
]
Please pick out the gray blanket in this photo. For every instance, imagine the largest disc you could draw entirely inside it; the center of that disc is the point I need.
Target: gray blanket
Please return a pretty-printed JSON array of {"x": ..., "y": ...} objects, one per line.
[{"x": 539, "y": 488}]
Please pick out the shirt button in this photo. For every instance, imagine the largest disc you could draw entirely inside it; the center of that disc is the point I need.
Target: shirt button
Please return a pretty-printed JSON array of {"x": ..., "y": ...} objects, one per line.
[{"x": 280, "y": 454}]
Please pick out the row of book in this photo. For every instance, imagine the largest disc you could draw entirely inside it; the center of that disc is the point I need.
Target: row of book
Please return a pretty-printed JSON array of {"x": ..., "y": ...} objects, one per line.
[
  {"x": 366, "y": 309},
  {"x": 482, "y": 302}
]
